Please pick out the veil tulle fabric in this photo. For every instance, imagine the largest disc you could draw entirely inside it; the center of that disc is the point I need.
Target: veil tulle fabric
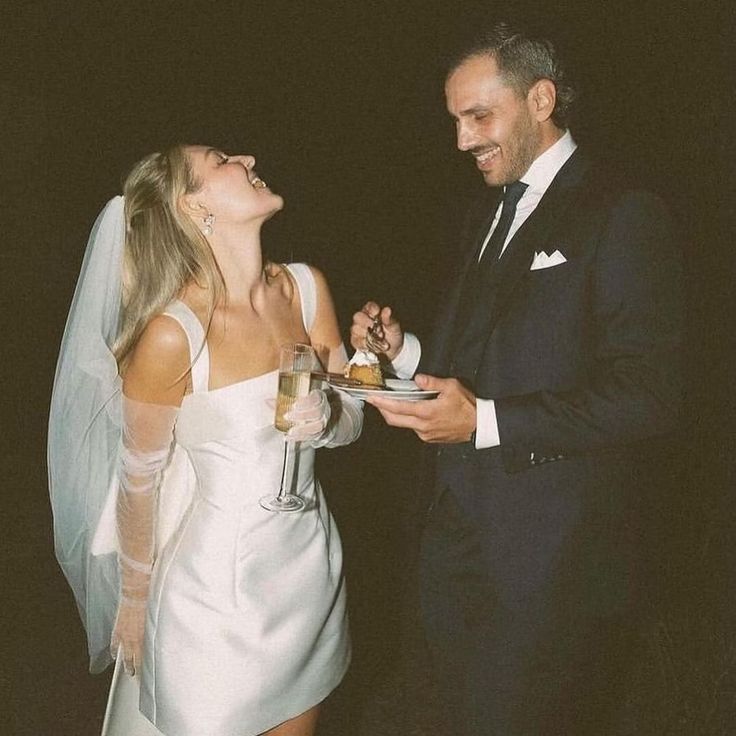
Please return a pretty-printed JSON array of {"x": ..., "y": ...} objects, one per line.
[
  {"x": 85, "y": 436},
  {"x": 84, "y": 431}
]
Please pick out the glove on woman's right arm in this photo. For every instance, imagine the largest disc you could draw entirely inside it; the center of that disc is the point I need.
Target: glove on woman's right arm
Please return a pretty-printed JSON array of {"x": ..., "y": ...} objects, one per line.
[{"x": 147, "y": 438}]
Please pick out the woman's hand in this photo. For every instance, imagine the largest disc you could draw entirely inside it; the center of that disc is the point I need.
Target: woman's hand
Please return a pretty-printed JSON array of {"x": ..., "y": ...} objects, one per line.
[
  {"x": 127, "y": 635},
  {"x": 310, "y": 416}
]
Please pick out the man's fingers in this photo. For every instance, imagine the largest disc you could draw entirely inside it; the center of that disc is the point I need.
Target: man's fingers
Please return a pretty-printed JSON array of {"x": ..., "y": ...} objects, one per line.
[
  {"x": 364, "y": 318},
  {"x": 359, "y": 329},
  {"x": 406, "y": 414},
  {"x": 404, "y": 421},
  {"x": 386, "y": 314},
  {"x": 421, "y": 409},
  {"x": 432, "y": 383},
  {"x": 371, "y": 309}
]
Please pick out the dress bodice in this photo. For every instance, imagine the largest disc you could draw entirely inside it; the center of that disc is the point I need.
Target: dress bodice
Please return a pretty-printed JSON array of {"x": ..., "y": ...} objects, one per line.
[{"x": 229, "y": 432}]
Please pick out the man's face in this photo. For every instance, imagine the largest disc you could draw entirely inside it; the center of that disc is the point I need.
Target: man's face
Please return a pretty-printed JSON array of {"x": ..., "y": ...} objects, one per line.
[{"x": 492, "y": 121}]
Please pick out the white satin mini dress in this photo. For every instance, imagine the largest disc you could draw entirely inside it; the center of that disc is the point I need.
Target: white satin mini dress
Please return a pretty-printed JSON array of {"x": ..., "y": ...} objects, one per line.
[{"x": 247, "y": 623}]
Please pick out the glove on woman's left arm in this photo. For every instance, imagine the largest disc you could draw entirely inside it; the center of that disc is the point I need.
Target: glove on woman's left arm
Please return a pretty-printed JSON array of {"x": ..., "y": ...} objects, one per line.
[{"x": 326, "y": 418}]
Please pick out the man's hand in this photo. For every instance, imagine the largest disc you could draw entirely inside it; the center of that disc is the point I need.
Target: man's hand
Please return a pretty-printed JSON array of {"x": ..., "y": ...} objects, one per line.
[
  {"x": 449, "y": 418},
  {"x": 390, "y": 329}
]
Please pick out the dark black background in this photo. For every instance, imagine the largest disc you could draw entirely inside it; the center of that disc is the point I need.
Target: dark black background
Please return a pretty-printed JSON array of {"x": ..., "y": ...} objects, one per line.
[{"x": 342, "y": 105}]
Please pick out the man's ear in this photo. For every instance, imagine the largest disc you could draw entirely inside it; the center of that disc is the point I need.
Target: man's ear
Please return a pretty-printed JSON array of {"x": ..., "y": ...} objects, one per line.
[{"x": 541, "y": 99}]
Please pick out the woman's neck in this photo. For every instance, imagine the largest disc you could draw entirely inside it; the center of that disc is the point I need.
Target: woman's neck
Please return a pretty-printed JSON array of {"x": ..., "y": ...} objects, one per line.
[{"x": 239, "y": 256}]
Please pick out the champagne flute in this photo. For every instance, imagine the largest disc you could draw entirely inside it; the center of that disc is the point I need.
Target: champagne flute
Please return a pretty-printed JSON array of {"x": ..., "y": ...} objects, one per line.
[{"x": 296, "y": 362}]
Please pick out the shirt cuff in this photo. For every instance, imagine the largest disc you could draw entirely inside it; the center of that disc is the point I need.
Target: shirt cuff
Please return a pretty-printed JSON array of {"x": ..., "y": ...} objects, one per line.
[
  {"x": 405, "y": 363},
  {"x": 486, "y": 431}
]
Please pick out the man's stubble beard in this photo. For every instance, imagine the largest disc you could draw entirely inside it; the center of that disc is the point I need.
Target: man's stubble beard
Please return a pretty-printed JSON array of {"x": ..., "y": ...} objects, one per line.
[{"x": 521, "y": 156}]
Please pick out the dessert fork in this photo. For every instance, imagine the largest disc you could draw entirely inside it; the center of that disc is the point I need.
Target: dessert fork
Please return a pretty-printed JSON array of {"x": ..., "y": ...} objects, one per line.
[{"x": 374, "y": 338}]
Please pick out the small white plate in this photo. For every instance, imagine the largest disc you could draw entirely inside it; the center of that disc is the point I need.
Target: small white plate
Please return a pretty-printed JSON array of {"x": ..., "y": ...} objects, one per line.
[{"x": 396, "y": 388}]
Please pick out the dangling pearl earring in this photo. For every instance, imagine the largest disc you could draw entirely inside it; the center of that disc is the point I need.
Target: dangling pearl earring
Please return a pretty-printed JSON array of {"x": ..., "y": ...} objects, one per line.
[{"x": 209, "y": 224}]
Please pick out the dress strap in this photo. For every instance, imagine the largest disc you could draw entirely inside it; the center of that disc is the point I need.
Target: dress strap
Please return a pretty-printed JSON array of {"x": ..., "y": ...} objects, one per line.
[
  {"x": 199, "y": 356},
  {"x": 307, "y": 292}
]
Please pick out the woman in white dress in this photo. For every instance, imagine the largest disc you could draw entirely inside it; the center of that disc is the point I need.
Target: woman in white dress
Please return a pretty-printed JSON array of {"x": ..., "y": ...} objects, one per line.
[{"x": 230, "y": 617}]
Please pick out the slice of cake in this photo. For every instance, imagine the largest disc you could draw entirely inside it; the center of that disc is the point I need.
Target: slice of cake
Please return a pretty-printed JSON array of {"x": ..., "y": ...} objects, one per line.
[{"x": 365, "y": 367}]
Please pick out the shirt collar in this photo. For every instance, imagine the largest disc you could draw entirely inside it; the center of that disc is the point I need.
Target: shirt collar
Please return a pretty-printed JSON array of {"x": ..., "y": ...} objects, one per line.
[{"x": 545, "y": 167}]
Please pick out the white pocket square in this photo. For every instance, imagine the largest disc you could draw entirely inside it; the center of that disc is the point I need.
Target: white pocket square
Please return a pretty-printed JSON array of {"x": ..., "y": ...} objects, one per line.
[{"x": 542, "y": 260}]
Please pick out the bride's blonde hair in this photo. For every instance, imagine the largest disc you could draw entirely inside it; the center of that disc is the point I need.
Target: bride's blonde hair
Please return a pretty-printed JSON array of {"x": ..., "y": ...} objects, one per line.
[{"x": 164, "y": 249}]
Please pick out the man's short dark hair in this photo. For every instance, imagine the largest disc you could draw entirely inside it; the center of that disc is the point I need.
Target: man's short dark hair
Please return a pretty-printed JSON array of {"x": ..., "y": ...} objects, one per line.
[{"x": 522, "y": 61}]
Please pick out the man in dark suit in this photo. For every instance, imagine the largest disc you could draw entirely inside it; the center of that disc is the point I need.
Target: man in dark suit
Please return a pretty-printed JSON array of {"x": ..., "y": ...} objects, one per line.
[{"x": 556, "y": 362}]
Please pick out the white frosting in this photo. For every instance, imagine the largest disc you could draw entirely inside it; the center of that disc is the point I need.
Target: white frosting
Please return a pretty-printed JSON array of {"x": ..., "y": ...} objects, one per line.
[{"x": 364, "y": 357}]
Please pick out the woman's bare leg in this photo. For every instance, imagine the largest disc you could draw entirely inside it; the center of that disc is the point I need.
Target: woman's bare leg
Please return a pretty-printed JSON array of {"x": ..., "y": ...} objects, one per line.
[{"x": 303, "y": 725}]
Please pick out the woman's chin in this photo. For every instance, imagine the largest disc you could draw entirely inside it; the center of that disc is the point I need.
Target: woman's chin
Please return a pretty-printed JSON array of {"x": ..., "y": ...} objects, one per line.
[{"x": 277, "y": 206}]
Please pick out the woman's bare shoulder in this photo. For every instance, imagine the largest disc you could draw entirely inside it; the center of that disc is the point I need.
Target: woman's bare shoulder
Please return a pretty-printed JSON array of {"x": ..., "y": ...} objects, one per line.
[
  {"x": 319, "y": 278},
  {"x": 163, "y": 337},
  {"x": 159, "y": 363}
]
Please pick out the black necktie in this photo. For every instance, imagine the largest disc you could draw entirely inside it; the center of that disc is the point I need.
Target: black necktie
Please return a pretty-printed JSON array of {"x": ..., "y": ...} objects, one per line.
[
  {"x": 478, "y": 288},
  {"x": 511, "y": 197}
]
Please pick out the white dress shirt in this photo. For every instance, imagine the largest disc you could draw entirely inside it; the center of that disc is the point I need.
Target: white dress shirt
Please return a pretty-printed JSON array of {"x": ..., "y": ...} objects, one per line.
[{"x": 538, "y": 178}]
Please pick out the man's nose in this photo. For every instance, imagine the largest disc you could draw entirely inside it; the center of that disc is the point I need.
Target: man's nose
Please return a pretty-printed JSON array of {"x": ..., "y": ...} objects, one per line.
[{"x": 465, "y": 137}]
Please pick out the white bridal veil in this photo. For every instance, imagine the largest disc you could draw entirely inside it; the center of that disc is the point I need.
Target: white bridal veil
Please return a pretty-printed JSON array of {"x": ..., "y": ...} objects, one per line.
[
  {"x": 85, "y": 439},
  {"x": 84, "y": 431}
]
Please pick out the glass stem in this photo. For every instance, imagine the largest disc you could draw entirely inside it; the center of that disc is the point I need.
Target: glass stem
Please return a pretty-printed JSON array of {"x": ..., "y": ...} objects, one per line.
[{"x": 286, "y": 473}]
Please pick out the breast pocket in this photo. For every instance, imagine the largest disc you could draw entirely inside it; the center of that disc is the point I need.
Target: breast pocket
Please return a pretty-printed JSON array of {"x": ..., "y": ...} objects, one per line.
[
  {"x": 544, "y": 323},
  {"x": 549, "y": 289},
  {"x": 561, "y": 270}
]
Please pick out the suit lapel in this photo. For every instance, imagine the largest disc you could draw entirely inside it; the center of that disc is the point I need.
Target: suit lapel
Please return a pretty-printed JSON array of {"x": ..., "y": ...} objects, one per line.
[
  {"x": 473, "y": 237},
  {"x": 531, "y": 236},
  {"x": 479, "y": 232}
]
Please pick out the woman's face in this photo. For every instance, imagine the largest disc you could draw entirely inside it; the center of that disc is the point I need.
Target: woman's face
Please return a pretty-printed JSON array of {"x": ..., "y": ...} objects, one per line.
[{"x": 229, "y": 187}]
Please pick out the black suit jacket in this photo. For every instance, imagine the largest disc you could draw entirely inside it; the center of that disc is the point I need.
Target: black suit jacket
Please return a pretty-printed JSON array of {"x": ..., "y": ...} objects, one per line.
[{"x": 582, "y": 360}]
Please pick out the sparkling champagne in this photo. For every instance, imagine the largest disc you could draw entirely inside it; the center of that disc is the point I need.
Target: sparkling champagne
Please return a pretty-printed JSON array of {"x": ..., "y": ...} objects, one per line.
[
  {"x": 296, "y": 361},
  {"x": 292, "y": 386}
]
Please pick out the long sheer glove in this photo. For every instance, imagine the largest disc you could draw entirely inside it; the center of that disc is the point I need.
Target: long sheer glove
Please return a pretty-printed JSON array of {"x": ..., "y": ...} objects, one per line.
[
  {"x": 335, "y": 421},
  {"x": 310, "y": 415},
  {"x": 346, "y": 412},
  {"x": 146, "y": 446}
]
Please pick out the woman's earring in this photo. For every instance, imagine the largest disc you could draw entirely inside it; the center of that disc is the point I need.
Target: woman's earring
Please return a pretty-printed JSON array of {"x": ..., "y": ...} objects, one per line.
[{"x": 209, "y": 224}]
